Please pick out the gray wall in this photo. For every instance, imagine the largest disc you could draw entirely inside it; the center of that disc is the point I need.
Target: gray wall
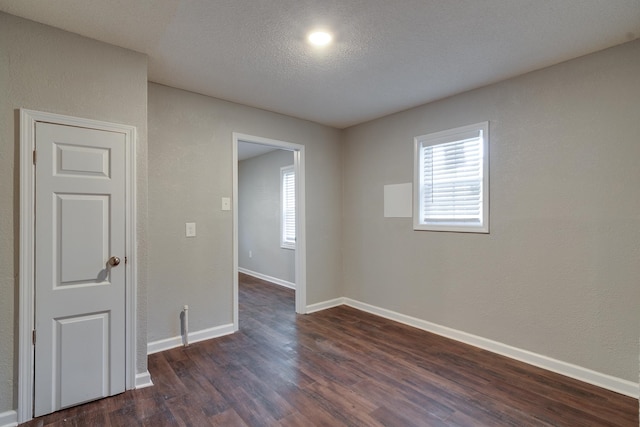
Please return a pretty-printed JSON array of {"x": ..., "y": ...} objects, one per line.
[
  {"x": 190, "y": 169},
  {"x": 558, "y": 274},
  {"x": 259, "y": 216},
  {"x": 46, "y": 69}
]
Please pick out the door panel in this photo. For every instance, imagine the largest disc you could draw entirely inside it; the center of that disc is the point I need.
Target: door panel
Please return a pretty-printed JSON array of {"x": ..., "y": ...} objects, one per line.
[
  {"x": 79, "y": 296},
  {"x": 83, "y": 233},
  {"x": 82, "y": 344},
  {"x": 82, "y": 161}
]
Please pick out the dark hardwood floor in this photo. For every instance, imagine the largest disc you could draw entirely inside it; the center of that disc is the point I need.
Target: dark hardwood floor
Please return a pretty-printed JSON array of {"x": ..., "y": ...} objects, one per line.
[{"x": 344, "y": 367}]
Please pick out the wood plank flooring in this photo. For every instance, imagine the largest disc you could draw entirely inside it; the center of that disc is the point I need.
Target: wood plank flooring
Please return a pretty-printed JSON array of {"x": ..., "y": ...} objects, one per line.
[{"x": 343, "y": 367}]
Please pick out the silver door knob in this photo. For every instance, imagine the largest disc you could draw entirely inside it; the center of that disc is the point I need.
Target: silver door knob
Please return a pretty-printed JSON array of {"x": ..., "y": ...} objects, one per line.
[{"x": 113, "y": 261}]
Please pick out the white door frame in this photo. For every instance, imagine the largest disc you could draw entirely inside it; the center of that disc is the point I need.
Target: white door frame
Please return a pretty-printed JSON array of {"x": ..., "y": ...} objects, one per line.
[
  {"x": 301, "y": 248},
  {"x": 28, "y": 119}
]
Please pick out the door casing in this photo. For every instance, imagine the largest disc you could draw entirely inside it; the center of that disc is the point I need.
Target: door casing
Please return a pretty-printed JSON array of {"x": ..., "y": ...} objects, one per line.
[{"x": 28, "y": 119}]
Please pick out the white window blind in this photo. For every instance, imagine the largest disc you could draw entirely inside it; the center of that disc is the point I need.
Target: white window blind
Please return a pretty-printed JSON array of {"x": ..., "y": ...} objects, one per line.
[
  {"x": 288, "y": 207},
  {"x": 452, "y": 185}
]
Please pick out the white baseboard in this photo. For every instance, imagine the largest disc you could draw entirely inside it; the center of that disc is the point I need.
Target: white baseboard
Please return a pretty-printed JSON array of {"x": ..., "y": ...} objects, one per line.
[
  {"x": 143, "y": 380},
  {"x": 275, "y": 280},
  {"x": 8, "y": 419},
  {"x": 324, "y": 305},
  {"x": 204, "y": 334},
  {"x": 589, "y": 376}
]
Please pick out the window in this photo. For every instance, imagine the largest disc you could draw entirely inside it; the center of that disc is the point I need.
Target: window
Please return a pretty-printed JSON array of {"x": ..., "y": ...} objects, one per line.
[
  {"x": 451, "y": 180},
  {"x": 287, "y": 207}
]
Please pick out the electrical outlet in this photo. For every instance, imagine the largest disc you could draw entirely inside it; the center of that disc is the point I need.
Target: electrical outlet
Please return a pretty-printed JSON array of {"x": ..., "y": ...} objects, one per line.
[
  {"x": 190, "y": 229},
  {"x": 250, "y": 254}
]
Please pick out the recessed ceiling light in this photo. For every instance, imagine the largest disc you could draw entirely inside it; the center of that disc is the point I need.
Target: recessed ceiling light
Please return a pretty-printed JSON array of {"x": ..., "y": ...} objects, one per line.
[{"x": 320, "y": 38}]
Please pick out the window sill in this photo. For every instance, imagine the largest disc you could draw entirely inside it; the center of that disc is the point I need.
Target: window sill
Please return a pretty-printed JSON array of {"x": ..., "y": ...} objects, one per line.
[{"x": 452, "y": 228}]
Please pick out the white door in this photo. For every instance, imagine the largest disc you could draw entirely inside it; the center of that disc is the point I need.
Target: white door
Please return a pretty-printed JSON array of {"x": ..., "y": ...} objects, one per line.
[{"x": 79, "y": 266}]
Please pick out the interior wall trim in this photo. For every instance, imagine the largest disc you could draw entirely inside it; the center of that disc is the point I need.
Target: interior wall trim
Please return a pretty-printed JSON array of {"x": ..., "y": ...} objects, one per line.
[
  {"x": 8, "y": 419},
  {"x": 143, "y": 380},
  {"x": 589, "y": 376},
  {"x": 195, "y": 336},
  {"x": 271, "y": 279},
  {"x": 325, "y": 305},
  {"x": 618, "y": 385}
]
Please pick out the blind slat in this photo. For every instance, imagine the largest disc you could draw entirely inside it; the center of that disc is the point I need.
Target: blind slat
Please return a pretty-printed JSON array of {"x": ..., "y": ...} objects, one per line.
[
  {"x": 451, "y": 180},
  {"x": 288, "y": 206}
]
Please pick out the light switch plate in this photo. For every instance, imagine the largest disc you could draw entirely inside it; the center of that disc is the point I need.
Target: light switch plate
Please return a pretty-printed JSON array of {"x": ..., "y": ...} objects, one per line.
[
  {"x": 190, "y": 229},
  {"x": 226, "y": 204}
]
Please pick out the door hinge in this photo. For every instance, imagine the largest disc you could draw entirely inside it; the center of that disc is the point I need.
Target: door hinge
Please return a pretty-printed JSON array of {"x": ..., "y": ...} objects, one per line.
[
  {"x": 33, "y": 337},
  {"x": 35, "y": 156},
  {"x": 125, "y": 260}
]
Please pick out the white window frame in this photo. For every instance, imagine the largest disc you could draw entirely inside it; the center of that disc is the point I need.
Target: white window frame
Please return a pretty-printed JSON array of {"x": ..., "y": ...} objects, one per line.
[
  {"x": 284, "y": 242},
  {"x": 444, "y": 137}
]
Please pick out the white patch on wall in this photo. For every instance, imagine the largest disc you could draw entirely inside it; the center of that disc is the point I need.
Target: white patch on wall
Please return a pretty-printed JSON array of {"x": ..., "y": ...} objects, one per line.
[{"x": 398, "y": 201}]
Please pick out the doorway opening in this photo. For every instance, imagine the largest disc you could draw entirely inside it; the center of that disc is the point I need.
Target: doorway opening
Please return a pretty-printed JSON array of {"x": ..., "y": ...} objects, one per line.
[{"x": 289, "y": 250}]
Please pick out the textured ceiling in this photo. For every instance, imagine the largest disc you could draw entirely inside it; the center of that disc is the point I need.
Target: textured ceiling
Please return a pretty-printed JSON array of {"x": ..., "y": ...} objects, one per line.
[{"x": 387, "y": 56}]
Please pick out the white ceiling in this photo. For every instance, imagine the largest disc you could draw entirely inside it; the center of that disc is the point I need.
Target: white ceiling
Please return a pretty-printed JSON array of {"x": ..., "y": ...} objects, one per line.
[{"x": 388, "y": 55}]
